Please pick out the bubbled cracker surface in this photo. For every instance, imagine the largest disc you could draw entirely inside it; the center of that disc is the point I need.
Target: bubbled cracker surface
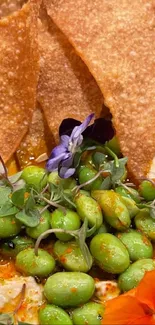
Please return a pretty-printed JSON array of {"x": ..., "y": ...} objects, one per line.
[
  {"x": 66, "y": 87},
  {"x": 36, "y": 142},
  {"x": 116, "y": 39},
  {"x": 19, "y": 71},
  {"x": 7, "y": 7}
]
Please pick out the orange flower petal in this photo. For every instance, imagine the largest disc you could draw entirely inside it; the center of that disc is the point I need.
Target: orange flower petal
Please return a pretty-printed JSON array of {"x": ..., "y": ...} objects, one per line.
[
  {"x": 124, "y": 310},
  {"x": 146, "y": 290}
]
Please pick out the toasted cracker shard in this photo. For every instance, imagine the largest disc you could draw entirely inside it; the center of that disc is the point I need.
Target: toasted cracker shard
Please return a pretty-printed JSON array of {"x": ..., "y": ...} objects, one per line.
[
  {"x": 37, "y": 141},
  {"x": 66, "y": 87},
  {"x": 19, "y": 71},
  {"x": 116, "y": 39}
]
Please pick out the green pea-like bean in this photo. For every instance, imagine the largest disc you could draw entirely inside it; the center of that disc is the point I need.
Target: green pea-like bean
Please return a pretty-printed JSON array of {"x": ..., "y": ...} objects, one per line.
[
  {"x": 9, "y": 227},
  {"x": 15, "y": 245},
  {"x": 131, "y": 206},
  {"x": 104, "y": 228},
  {"x": 34, "y": 176},
  {"x": 134, "y": 274},
  {"x": 69, "y": 289},
  {"x": 147, "y": 190},
  {"x": 30, "y": 264},
  {"x": 137, "y": 244},
  {"x": 85, "y": 174},
  {"x": 70, "y": 256},
  {"x": 88, "y": 208},
  {"x": 113, "y": 144},
  {"x": 53, "y": 315},
  {"x": 67, "y": 183},
  {"x": 145, "y": 223},
  {"x": 69, "y": 221},
  {"x": 44, "y": 225},
  {"x": 90, "y": 314},
  {"x": 131, "y": 194},
  {"x": 115, "y": 212},
  {"x": 109, "y": 253}
]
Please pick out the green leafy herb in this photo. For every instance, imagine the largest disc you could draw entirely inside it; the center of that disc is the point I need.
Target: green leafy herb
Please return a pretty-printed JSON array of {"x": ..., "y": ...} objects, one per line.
[
  {"x": 4, "y": 194},
  {"x": 8, "y": 209},
  {"x": 106, "y": 184},
  {"x": 31, "y": 218},
  {"x": 98, "y": 159},
  {"x": 79, "y": 235},
  {"x": 18, "y": 198}
]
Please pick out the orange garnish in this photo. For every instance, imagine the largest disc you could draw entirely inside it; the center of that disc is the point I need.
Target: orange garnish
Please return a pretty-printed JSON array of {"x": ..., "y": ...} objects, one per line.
[{"x": 135, "y": 307}]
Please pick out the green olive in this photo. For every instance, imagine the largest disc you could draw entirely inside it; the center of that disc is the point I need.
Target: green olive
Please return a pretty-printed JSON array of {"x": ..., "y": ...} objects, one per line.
[
  {"x": 88, "y": 208},
  {"x": 69, "y": 289},
  {"x": 15, "y": 245},
  {"x": 44, "y": 225},
  {"x": 30, "y": 264},
  {"x": 34, "y": 176},
  {"x": 145, "y": 223},
  {"x": 134, "y": 274},
  {"x": 137, "y": 244},
  {"x": 90, "y": 314},
  {"x": 109, "y": 253},
  {"x": 53, "y": 315},
  {"x": 147, "y": 190},
  {"x": 115, "y": 212},
  {"x": 85, "y": 174},
  {"x": 9, "y": 226},
  {"x": 131, "y": 193},
  {"x": 67, "y": 183},
  {"x": 69, "y": 221},
  {"x": 70, "y": 256}
]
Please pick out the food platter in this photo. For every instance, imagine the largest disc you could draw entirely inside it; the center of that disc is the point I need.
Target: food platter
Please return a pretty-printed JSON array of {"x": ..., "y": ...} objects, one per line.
[{"x": 77, "y": 189}]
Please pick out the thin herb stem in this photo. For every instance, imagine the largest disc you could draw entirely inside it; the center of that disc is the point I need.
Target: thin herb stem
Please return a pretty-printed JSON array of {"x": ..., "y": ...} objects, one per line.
[
  {"x": 48, "y": 232},
  {"x": 44, "y": 209},
  {"x": 54, "y": 204},
  {"x": 22, "y": 296},
  {"x": 113, "y": 155},
  {"x": 77, "y": 188}
]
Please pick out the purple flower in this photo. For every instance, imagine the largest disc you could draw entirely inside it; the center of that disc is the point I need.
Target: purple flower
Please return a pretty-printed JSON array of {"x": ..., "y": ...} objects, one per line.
[{"x": 62, "y": 156}]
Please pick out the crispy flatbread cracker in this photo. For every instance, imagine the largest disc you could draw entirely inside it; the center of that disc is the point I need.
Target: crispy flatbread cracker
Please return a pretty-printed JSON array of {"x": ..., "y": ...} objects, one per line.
[
  {"x": 19, "y": 70},
  {"x": 37, "y": 141},
  {"x": 66, "y": 87},
  {"x": 7, "y": 7},
  {"x": 116, "y": 39}
]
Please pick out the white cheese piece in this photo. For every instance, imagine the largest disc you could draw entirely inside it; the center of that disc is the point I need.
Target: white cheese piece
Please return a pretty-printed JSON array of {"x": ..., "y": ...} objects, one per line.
[
  {"x": 106, "y": 290},
  {"x": 11, "y": 288}
]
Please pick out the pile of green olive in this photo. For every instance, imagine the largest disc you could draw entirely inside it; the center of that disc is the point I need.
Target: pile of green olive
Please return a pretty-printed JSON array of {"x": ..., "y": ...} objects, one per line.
[{"x": 122, "y": 243}]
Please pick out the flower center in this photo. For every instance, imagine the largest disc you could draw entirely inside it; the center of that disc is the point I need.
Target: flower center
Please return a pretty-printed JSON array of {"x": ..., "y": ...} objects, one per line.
[{"x": 72, "y": 147}]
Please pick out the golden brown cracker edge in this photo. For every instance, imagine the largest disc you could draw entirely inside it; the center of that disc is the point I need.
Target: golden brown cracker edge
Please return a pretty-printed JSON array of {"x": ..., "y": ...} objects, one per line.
[
  {"x": 116, "y": 41},
  {"x": 19, "y": 72},
  {"x": 66, "y": 88}
]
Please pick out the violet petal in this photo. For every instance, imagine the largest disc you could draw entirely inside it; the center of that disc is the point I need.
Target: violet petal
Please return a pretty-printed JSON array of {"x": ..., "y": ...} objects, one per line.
[
  {"x": 65, "y": 172},
  {"x": 79, "y": 129},
  {"x": 64, "y": 141},
  {"x": 53, "y": 163}
]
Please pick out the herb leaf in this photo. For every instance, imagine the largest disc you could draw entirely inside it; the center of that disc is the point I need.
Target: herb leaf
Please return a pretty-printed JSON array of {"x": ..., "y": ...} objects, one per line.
[
  {"x": 30, "y": 218},
  {"x": 4, "y": 194},
  {"x": 18, "y": 198},
  {"x": 8, "y": 209}
]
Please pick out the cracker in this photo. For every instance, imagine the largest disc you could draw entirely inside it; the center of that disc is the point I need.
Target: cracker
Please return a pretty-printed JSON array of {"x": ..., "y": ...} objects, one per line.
[
  {"x": 116, "y": 39},
  {"x": 19, "y": 71},
  {"x": 66, "y": 87}
]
